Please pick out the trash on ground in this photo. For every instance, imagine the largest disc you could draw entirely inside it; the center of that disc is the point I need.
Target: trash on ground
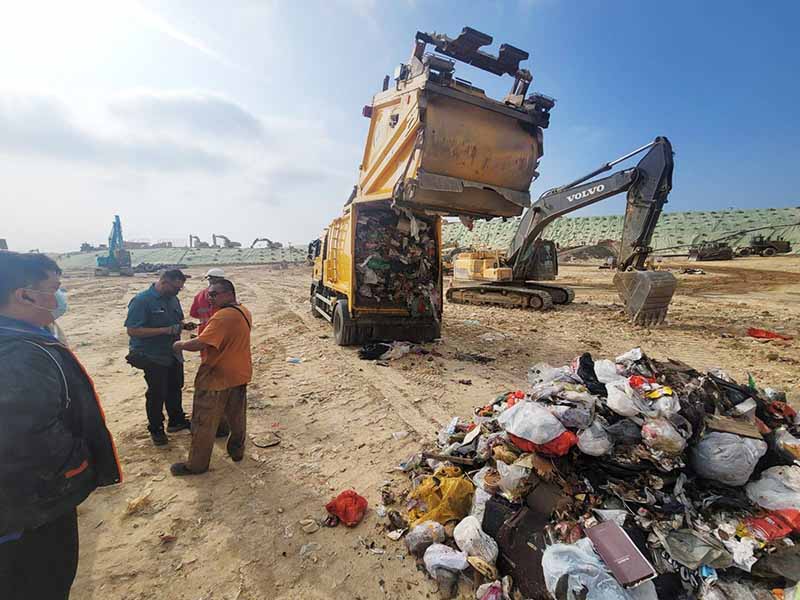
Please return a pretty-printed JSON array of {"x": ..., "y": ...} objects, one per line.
[
  {"x": 294, "y": 361},
  {"x": 765, "y": 334},
  {"x": 348, "y": 507},
  {"x": 624, "y": 479}
]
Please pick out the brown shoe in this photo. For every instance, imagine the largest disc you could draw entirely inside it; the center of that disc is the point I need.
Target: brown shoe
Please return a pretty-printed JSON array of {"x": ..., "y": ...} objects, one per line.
[{"x": 180, "y": 469}]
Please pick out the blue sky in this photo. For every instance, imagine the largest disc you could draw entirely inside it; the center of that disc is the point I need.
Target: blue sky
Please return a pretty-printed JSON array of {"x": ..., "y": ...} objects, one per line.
[{"x": 244, "y": 117}]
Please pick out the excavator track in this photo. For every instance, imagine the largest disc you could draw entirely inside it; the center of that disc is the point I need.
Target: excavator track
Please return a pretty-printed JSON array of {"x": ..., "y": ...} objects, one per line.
[
  {"x": 560, "y": 295},
  {"x": 516, "y": 296}
]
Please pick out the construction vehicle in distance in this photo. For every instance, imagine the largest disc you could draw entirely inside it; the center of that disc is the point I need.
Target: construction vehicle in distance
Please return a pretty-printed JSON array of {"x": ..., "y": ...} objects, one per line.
[
  {"x": 196, "y": 242},
  {"x": 118, "y": 259},
  {"x": 765, "y": 246},
  {"x": 437, "y": 145},
  {"x": 515, "y": 278},
  {"x": 226, "y": 242},
  {"x": 708, "y": 251},
  {"x": 269, "y": 244},
  {"x": 3, "y": 244}
]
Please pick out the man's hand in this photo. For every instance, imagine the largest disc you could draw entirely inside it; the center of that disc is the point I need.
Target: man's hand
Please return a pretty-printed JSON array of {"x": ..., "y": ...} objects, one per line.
[
  {"x": 177, "y": 346},
  {"x": 189, "y": 326}
]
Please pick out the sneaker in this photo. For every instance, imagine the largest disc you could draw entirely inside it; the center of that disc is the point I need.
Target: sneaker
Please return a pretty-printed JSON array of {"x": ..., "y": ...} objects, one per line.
[
  {"x": 159, "y": 438},
  {"x": 179, "y": 426}
]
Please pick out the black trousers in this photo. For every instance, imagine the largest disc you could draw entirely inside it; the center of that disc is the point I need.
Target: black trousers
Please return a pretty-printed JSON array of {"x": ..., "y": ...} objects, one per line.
[
  {"x": 41, "y": 565},
  {"x": 164, "y": 385}
]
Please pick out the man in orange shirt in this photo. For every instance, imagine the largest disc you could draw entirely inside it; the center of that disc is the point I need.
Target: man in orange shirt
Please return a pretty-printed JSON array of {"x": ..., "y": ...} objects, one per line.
[
  {"x": 221, "y": 381},
  {"x": 202, "y": 307}
]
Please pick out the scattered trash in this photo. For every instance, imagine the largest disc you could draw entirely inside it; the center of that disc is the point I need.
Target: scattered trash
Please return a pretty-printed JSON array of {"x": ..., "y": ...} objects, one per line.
[
  {"x": 690, "y": 271},
  {"x": 764, "y": 334},
  {"x": 624, "y": 479},
  {"x": 400, "y": 435},
  {"x": 139, "y": 503},
  {"x": 465, "y": 381},
  {"x": 294, "y": 361},
  {"x": 309, "y": 551},
  {"x": 481, "y": 359},
  {"x": 309, "y": 525},
  {"x": 348, "y": 507},
  {"x": 266, "y": 440}
]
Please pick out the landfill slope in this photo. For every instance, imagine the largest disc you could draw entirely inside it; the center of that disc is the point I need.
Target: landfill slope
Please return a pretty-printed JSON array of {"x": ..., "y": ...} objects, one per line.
[{"x": 235, "y": 532}]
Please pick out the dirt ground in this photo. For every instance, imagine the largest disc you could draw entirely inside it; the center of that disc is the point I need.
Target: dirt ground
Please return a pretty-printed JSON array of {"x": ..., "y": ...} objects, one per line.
[{"x": 233, "y": 533}]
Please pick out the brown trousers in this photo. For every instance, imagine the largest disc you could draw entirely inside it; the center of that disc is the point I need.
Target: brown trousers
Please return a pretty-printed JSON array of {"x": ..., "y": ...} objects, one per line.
[{"x": 207, "y": 411}]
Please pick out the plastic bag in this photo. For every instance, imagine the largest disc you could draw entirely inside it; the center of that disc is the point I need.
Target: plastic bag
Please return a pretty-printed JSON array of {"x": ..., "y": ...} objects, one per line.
[
  {"x": 660, "y": 434},
  {"x": 349, "y": 507},
  {"x": 439, "y": 556},
  {"x": 442, "y": 497},
  {"x": 621, "y": 398},
  {"x": 471, "y": 539},
  {"x": 778, "y": 488},
  {"x": 595, "y": 441},
  {"x": 513, "y": 479},
  {"x": 586, "y": 574},
  {"x": 544, "y": 373},
  {"x": 788, "y": 443},
  {"x": 572, "y": 417},
  {"x": 726, "y": 458},
  {"x": 423, "y": 535},
  {"x": 606, "y": 371},
  {"x": 630, "y": 357},
  {"x": 531, "y": 421},
  {"x": 479, "y": 503},
  {"x": 625, "y": 432},
  {"x": 490, "y": 591},
  {"x": 487, "y": 442}
]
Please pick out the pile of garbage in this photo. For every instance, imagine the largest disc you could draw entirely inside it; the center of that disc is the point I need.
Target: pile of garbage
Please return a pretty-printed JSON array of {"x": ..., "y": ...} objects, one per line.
[
  {"x": 396, "y": 259},
  {"x": 616, "y": 479}
]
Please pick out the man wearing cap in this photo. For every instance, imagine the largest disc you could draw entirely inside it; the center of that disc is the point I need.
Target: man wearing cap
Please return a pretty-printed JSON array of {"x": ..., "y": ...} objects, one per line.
[
  {"x": 201, "y": 306},
  {"x": 154, "y": 323}
]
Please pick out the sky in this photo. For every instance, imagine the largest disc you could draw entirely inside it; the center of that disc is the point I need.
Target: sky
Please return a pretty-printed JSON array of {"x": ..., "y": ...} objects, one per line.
[{"x": 243, "y": 117}]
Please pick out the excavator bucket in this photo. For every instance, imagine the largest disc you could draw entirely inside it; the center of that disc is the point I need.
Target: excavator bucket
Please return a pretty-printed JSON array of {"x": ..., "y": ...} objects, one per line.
[{"x": 646, "y": 294}]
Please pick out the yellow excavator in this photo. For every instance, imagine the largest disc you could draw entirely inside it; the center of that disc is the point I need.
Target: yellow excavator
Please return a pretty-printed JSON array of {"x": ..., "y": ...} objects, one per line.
[{"x": 514, "y": 279}]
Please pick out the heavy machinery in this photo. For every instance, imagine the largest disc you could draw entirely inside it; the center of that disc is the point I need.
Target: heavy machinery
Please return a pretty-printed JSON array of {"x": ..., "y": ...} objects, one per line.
[
  {"x": 514, "y": 279},
  {"x": 196, "y": 242},
  {"x": 226, "y": 242},
  {"x": 437, "y": 145},
  {"x": 708, "y": 251},
  {"x": 270, "y": 245},
  {"x": 766, "y": 246},
  {"x": 118, "y": 259}
]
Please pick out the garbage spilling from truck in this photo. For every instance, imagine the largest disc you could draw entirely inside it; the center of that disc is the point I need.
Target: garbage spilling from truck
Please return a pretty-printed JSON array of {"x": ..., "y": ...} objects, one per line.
[{"x": 631, "y": 478}]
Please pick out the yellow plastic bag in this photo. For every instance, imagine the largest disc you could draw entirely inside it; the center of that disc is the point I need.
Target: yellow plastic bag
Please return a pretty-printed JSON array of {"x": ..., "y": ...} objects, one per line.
[{"x": 446, "y": 495}]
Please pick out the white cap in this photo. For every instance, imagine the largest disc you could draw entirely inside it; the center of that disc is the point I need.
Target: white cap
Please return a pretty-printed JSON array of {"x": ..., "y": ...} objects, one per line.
[{"x": 215, "y": 272}]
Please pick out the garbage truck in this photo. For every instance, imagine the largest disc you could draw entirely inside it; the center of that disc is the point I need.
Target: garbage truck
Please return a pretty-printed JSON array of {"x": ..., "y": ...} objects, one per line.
[{"x": 436, "y": 146}]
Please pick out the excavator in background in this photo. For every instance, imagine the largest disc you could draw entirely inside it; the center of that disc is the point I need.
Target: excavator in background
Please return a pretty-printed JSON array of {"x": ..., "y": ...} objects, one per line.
[
  {"x": 196, "y": 242},
  {"x": 226, "y": 242},
  {"x": 270, "y": 244},
  {"x": 515, "y": 279},
  {"x": 118, "y": 259}
]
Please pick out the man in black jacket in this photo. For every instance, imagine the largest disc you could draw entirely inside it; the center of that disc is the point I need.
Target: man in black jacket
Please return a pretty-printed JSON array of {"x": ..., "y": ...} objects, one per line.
[{"x": 55, "y": 448}]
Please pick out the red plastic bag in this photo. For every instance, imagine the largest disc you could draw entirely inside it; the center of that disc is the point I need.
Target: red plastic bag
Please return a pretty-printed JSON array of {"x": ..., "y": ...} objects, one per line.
[
  {"x": 556, "y": 447},
  {"x": 348, "y": 507},
  {"x": 637, "y": 381},
  {"x": 764, "y": 334}
]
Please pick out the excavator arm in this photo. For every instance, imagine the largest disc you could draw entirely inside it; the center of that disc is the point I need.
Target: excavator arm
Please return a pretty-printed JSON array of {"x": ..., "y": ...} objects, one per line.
[{"x": 646, "y": 295}]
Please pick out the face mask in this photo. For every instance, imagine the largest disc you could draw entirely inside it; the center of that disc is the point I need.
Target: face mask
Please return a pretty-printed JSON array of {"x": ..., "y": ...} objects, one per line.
[{"x": 61, "y": 309}]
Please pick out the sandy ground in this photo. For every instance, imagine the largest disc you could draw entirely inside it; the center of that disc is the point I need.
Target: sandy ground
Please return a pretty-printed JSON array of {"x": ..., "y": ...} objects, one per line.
[{"x": 233, "y": 533}]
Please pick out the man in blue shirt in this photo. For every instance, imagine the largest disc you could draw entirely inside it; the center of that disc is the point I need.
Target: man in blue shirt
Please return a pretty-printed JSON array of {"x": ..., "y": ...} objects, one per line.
[{"x": 154, "y": 323}]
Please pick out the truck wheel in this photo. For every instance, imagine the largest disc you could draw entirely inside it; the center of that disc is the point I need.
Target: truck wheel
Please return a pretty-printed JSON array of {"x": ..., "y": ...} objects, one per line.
[
  {"x": 344, "y": 330},
  {"x": 769, "y": 252},
  {"x": 744, "y": 252}
]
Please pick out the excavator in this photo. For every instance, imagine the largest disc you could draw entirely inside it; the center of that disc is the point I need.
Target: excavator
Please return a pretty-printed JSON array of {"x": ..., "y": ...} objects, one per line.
[
  {"x": 118, "y": 259},
  {"x": 515, "y": 279},
  {"x": 270, "y": 245},
  {"x": 226, "y": 242}
]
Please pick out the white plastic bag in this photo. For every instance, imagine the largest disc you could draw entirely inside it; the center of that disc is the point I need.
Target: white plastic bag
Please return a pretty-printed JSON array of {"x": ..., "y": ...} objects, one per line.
[
  {"x": 606, "y": 371},
  {"x": 512, "y": 479},
  {"x": 471, "y": 539},
  {"x": 490, "y": 591},
  {"x": 585, "y": 572},
  {"x": 544, "y": 373},
  {"x": 630, "y": 357},
  {"x": 621, "y": 398},
  {"x": 439, "y": 556},
  {"x": 660, "y": 434},
  {"x": 531, "y": 421},
  {"x": 423, "y": 535},
  {"x": 778, "y": 488},
  {"x": 726, "y": 458},
  {"x": 595, "y": 441},
  {"x": 479, "y": 500},
  {"x": 572, "y": 417}
]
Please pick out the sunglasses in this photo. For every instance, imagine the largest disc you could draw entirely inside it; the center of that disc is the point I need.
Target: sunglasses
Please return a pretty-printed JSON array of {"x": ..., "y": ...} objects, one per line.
[{"x": 215, "y": 294}]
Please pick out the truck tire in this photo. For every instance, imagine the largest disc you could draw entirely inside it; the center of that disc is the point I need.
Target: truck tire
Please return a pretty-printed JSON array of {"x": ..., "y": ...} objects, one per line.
[
  {"x": 769, "y": 252},
  {"x": 345, "y": 331},
  {"x": 744, "y": 252}
]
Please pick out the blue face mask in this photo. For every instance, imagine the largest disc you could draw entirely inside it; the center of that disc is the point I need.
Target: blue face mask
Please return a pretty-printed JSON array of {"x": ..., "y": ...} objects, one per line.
[{"x": 61, "y": 308}]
